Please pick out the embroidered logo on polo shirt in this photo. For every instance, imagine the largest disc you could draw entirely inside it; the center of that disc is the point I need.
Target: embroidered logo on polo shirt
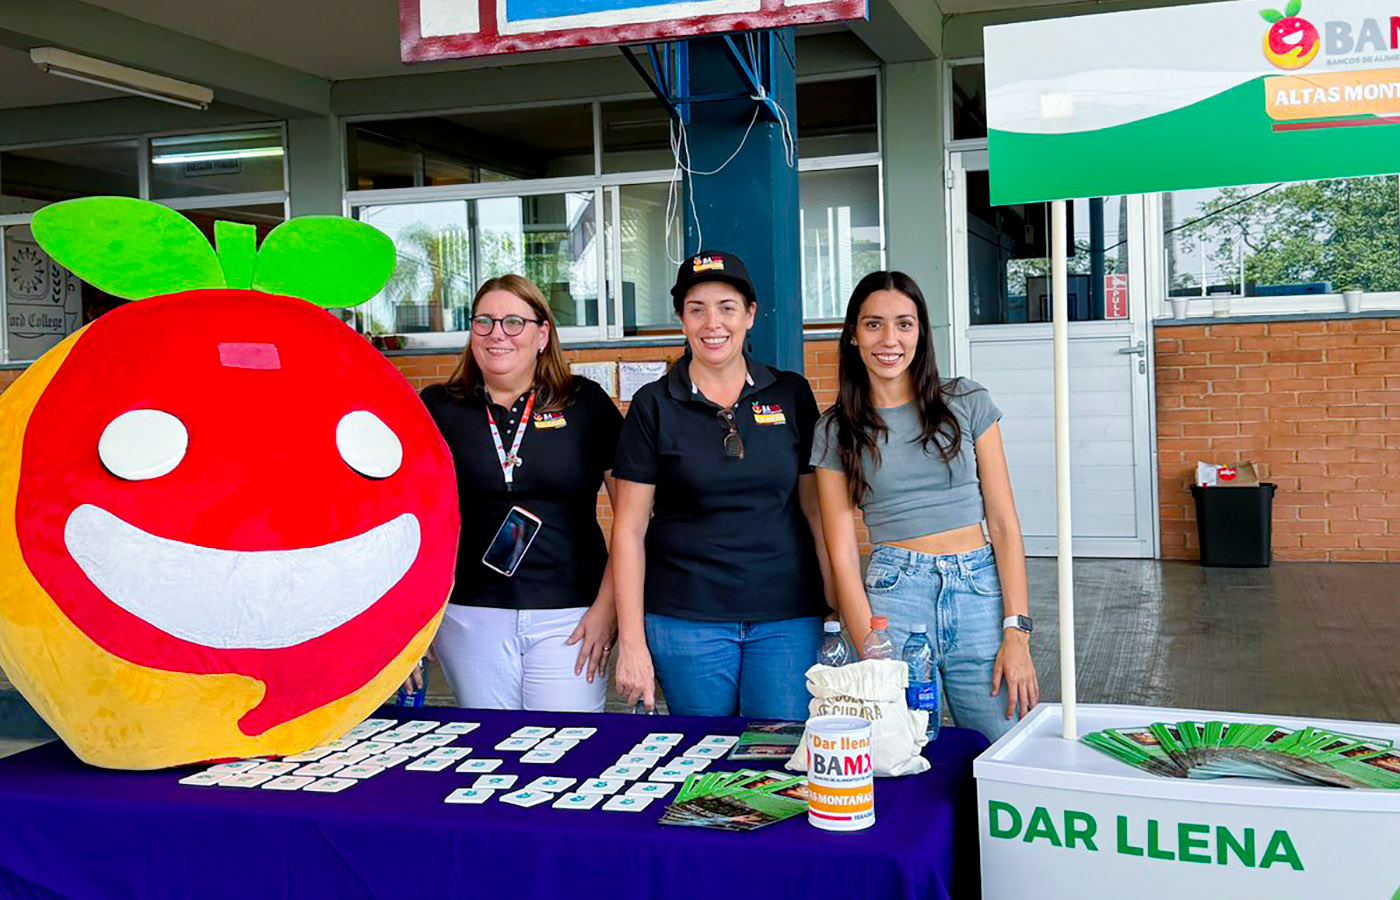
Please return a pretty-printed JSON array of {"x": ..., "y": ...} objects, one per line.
[
  {"x": 707, "y": 264},
  {"x": 550, "y": 420},
  {"x": 768, "y": 414}
]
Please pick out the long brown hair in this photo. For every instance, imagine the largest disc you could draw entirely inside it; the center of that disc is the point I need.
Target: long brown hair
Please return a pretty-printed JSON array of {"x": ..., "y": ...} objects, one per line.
[
  {"x": 857, "y": 422},
  {"x": 555, "y": 387}
]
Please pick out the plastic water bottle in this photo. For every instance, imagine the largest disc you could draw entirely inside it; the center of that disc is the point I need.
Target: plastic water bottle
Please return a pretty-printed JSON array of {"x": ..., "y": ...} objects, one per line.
[
  {"x": 414, "y": 698},
  {"x": 835, "y": 651},
  {"x": 922, "y": 692},
  {"x": 877, "y": 644}
]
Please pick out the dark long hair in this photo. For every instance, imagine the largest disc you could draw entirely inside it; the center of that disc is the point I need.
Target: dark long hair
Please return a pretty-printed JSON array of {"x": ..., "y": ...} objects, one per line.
[
  {"x": 858, "y": 424},
  {"x": 555, "y": 385}
]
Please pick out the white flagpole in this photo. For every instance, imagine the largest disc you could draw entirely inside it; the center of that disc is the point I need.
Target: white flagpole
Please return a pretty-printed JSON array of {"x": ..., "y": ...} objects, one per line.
[{"x": 1059, "y": 289}]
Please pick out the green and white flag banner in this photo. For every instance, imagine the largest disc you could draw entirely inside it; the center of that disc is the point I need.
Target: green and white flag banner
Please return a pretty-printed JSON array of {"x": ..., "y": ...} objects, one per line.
[{"x": 1215, "y": 94}]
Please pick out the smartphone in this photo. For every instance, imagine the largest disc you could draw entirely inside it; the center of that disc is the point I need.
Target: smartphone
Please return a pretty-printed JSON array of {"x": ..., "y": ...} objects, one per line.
[{"x": 512, "y": 539}]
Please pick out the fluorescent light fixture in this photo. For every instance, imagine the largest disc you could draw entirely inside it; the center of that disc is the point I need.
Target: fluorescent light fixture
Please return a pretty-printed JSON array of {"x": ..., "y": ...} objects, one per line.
[
  {"x": 171, "y": 159},
  {"x": 89, "y": 70}
]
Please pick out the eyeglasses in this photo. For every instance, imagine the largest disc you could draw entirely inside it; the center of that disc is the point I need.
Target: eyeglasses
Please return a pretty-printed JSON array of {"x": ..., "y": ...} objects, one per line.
[
  {"x": 733, "y": 444},
  {"x": 510, "y": 325}
]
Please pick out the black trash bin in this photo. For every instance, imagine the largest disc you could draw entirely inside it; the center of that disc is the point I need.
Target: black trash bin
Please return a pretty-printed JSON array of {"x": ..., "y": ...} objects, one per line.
[{"x": 1235, "y": 524}]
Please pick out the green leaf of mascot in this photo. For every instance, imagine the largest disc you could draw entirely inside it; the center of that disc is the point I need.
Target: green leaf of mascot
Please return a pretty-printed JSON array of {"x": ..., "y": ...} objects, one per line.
[{"x": 228, "y": 527}]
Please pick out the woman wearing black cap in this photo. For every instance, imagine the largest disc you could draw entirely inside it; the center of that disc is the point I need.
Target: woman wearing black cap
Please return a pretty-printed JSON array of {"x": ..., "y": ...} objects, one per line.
[{"x": 718, "y": 563}]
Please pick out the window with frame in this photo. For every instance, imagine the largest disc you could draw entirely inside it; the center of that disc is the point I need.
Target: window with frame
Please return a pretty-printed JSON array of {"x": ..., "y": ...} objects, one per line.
[
  {"x": 1286, "y": 244},
  {"x": 496, "y": 155},
  {"x": 44, "y": 302}
]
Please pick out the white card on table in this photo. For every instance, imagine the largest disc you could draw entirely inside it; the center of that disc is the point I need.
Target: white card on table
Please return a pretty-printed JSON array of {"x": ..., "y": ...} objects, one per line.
[
  {"x": 626, "y": 773},
  {"x": 318, "y": 770},
  {"x": 360, "y": 771},
  {"x": 657, "y": 750},
  {"x": 344, "y": 743},
  {"x": 689, "y": 764},
  {"x": 373, "y": 746},
  {"x": 532, "y": 731},
  {"x": 397, "y": 736},
  {"x": 576, "y": 734},
  {"x": 207, "y": 779},
  {"x": 646, "y": 760},
  {"x": 706, "y": 751},
  {"x": 410, "y": 749},
  {"x": 389, "y": 760},
  {"x": 348, "y": 758},
  {"x": 274, "y": 768},
  {"x": 435, "y": 740},
  {"x": 419, "y": 726},
  {"x": 359, "y": 733},
  {"x": 601, "y": 786},
  {"x": 469, "y": 795},
  {"x": 650, "y": 789},
  {"x": 288, "y": 783},
  {"x": 552, "y": 783},
  {"x": 627, "y": 803},
  {"x": 542, "y": 756},
  {"x": 670, "y": 773},
  {"x": 527, "y": 797},
  {"x": 245, "y": 780},
  {"x": 451, "y": 753},
  {"x": 329, "y": 785},
  {"x": 309, "y": 755},
  {"x": 577, "y": 801},
  {"x": 517, "y": 743},
  {"x": 496, "y": 782},
  {"x": 233, "y": 768},
  {"x": 560, "y": 744},
  {"x": 377, "y": 724},
  {"x": 458, "y": 728},
  {"x": 429, "y": 764},
  {"x": 663, "y": 737},
  {"x": 718, "y": 740},
  {"x": 480, "y": 765}
]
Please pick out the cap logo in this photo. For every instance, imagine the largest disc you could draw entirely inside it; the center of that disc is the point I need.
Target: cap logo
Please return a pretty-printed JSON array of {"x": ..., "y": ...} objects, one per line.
[{"x": 707, "y": 264}]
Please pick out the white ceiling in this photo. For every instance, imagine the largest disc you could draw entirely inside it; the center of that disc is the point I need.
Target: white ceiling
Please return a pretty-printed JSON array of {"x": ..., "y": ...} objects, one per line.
[
  {"x": 25, "y": 85},
  {"x": 334, "y": 39}
]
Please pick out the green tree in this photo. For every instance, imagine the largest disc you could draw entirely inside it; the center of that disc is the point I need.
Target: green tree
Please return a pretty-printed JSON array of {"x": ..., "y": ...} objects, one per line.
[{"x": 1342, "y": 231}]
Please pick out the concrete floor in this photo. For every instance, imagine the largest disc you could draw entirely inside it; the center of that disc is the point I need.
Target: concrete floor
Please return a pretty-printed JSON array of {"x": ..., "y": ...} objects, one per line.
[{"x": 1307, "y": 639}]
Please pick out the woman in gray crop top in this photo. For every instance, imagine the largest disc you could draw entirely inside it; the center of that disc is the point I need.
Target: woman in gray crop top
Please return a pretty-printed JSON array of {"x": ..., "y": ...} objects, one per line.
[{"x": 922, "y": 457}]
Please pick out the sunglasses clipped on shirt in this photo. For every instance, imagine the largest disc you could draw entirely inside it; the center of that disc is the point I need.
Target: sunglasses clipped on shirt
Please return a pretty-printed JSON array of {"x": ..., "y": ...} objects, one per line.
[
  {"x": 511, "y": 326},
  {"x": 733, "y": 444}
]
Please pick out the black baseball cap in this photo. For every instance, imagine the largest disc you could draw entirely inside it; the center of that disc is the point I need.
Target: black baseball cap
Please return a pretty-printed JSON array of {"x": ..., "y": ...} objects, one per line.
[{"x": 711, "y": 265}]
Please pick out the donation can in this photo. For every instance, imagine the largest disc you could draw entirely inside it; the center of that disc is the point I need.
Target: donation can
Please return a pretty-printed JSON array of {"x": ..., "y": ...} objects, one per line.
[{"x": 840, "y": 776}]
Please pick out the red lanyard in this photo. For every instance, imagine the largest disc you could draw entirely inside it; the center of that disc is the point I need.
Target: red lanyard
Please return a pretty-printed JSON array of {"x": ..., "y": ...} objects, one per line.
[{"x": 511, "y": 460}]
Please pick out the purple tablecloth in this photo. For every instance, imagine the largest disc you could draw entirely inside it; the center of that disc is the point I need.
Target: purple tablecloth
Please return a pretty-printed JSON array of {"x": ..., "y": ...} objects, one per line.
[{"x": 70, "y": 831}]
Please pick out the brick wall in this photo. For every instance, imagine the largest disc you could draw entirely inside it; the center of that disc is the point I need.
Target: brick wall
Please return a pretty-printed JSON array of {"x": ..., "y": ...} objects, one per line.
[{"x": 1315, "y": 404}]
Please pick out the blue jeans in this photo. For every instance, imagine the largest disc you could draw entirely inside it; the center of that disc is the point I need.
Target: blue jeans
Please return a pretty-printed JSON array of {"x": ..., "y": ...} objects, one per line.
[
  {"x": 752, "y": 669},
  {"x": 958, "y": 596}
]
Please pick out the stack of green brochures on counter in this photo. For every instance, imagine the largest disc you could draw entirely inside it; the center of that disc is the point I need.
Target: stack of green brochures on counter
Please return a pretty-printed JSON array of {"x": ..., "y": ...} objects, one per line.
[
  {"x": 737, "y": 801},
  {"x": 1308, "y": 755}
]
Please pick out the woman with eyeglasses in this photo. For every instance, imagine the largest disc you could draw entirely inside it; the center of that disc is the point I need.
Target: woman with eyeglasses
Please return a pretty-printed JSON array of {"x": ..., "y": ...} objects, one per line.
[
  {"x": 531, "y": 617},
  {"x": 922, "y": 457},
  {"x": 716, "y": 536}
]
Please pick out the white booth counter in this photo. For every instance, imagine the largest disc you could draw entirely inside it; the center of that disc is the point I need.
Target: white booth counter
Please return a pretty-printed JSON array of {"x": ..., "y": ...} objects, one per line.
[{"x": 1060, "y": 819}]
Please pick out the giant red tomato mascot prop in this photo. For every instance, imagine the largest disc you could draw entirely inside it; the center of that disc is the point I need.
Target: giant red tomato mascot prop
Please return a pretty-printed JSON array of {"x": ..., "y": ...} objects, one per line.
[{"x": 227, "y": 525}]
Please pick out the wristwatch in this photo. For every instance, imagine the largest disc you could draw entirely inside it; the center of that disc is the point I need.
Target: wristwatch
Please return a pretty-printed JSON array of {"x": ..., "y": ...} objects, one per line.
[{"x": 1020, "y": 623}]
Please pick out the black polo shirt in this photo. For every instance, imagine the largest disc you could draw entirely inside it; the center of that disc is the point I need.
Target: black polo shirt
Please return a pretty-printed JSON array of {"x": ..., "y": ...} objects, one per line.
[
  {"x": 563, "y": 458},
  {"x": 727, "y": 540}
]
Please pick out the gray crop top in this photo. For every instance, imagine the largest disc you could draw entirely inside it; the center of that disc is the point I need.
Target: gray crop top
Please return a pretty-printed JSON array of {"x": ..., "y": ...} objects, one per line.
[{"x": 913, "y": 492}]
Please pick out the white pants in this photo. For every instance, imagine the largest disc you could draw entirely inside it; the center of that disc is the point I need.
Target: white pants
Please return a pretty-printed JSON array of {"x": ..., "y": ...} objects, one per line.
[{"x": 516, "y": 659}]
